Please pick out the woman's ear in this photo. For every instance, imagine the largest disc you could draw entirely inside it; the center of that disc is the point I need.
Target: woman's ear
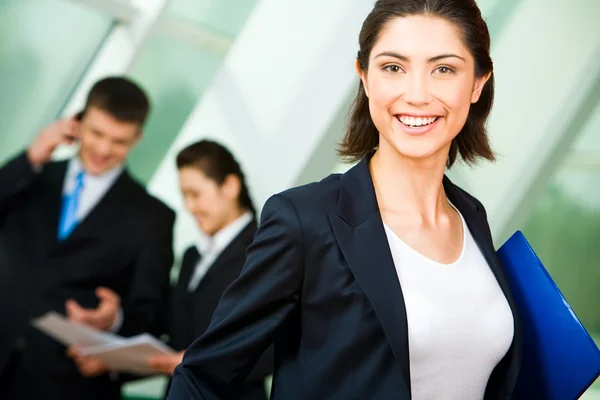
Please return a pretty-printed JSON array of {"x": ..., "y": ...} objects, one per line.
[
  {"x": 479, "y": 84},
  {"x": 362, "y": 76},
  {"x": 232, "y": 186}
]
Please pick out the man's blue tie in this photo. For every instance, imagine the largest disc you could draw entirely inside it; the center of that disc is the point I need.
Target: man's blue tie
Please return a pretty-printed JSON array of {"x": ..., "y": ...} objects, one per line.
[{"x": 68, "y": 217}]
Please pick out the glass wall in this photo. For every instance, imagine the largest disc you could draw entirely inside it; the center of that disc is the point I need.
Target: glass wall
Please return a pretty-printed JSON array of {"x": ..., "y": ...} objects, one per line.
[
  {"x": 226, "y": 17},
  {"x": 175, "y": 76},
  {"x": 176, "y": 72},
  {"x": 45, "y": 46},
  {"x": 564, "y": 229}
]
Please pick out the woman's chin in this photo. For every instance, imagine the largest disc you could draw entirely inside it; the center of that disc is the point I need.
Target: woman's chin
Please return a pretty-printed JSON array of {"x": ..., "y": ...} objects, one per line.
[{"x": 423, "y": 154}]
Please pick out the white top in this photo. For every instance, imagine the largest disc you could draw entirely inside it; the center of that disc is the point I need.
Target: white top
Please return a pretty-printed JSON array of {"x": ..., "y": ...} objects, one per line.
[
  {"x": 94, "y": 186},
  {"x": 212, "y": 246},
  {"x": 459, "y": 323}
]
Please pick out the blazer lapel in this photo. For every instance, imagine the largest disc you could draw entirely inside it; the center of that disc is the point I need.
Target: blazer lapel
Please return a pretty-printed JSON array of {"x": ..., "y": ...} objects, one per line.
[
  {"x": 477, "y": 223},
  {"x": 359, "y": 231},
  {"x": 52, "y": 199},
  {"x": 217, "y": 267},
  {"x": 109, "y": 206},
  {"x": 236, "y": 247},
  {"x": 191, "y": 258},
  {"x": 476, "y": 220}
]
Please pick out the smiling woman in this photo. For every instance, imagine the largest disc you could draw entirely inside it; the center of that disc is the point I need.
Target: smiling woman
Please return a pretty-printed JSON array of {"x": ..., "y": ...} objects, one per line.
[
  {"x": 383, "y": 282},
  {"x": 423, "y": 81}
]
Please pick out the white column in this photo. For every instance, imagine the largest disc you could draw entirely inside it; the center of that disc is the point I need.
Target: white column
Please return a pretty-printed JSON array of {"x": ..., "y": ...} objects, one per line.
[{"x": 277, "y": 92}]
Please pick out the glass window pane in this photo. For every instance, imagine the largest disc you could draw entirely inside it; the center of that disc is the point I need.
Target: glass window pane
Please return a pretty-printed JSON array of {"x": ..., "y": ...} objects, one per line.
[
  {"x": 589, "y": 142},
  {"x": 175, "y": 75},
  {"x": 45, "y": 46},
  {"x": 224, "y": 16},
  {"x": 564, "y": 229}
]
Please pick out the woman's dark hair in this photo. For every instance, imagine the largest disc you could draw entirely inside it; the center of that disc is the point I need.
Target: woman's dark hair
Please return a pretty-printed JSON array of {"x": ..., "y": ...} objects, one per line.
[
  {"x": 472, "y": 141},
  {"x": 217, "y": 163}
]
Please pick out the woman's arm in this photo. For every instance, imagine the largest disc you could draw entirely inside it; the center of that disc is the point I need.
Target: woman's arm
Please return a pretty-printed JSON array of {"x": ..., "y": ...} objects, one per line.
[{"x": 250, "y": 311}]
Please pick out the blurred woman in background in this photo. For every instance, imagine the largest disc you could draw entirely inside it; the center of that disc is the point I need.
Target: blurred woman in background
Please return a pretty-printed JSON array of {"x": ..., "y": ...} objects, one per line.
[{"x": 215, "y": 193}]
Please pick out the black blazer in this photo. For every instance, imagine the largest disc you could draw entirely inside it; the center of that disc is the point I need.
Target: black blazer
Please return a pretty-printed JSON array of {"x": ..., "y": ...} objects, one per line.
[
  {"x": 320, "y": 281},
  {"x": 125, "y": 244},
  {"x": 190, "y": 312}
]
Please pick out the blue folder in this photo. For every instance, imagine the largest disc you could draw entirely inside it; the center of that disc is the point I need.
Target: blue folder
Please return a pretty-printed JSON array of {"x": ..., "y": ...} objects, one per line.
[{"x": 560, "y": 359}]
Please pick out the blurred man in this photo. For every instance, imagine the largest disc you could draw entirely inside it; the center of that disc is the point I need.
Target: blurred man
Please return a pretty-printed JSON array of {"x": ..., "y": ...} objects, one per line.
[{"x": 82, "y": 238}]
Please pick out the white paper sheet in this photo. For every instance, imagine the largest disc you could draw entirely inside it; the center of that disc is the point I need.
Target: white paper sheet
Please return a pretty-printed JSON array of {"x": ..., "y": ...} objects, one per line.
[
  {"x": 70, "y": 333},
  {"x": 129, "y": 355},
  {"x": 118, "y": 353}
]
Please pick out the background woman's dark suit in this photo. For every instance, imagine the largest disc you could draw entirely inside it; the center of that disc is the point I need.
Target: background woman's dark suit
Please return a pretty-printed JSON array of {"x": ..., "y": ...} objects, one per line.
[
  {"x": 320, "y": 281},
  {"x": 190, "y": 312}
]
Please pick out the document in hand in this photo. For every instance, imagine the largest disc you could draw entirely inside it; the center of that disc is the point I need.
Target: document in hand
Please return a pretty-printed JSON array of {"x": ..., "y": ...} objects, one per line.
[
  {"x": 560, "y": 359},
  {"x": 72, "y": 334},
  {"x": 129, "y": 355},
  {"x": 118, "y": 353}
]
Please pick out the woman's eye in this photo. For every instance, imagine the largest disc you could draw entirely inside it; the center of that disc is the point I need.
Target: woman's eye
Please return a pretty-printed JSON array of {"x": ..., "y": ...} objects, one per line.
[
  {"x": 444, "y": 70},
  {"x": 392, "y": 68}
]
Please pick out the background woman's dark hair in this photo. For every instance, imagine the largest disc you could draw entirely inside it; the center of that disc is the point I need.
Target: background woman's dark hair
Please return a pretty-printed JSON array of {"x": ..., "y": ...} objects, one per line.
[
  {"x": 472, "y": 141},
  {"x": 216, "y": 162}
]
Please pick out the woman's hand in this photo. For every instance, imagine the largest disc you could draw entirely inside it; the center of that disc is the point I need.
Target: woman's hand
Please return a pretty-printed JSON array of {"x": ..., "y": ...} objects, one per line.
[
  {"x": 88, "y": 366},
  {"x": 166, "y": 364}
]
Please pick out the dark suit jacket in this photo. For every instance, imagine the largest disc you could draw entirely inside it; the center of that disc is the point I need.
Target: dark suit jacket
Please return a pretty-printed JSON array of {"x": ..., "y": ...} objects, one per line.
[
  {"x": 125, "y": 244},
  {"x": 190, "y": 312},
  {"x": 320, "y": 281}
]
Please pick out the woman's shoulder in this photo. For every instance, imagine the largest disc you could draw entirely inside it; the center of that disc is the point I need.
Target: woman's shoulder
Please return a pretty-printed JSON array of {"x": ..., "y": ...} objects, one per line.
[
  {"x": 310, "y": 200},
  {"x": 320, "y": 195}
]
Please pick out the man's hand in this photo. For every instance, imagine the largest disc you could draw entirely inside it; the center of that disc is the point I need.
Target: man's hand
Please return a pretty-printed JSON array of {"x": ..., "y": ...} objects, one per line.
[
  {"x": 64, "y": 131},
  {"x": 88, "y": 366},
  {"x": 166, "y": 364},
  {"x": 102, "y": 317}
]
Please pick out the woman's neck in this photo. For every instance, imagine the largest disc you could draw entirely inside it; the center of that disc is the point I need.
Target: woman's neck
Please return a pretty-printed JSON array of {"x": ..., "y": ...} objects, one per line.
[
  {"x": 231, "y": 218},
  {"x": 409, "y": 186}
]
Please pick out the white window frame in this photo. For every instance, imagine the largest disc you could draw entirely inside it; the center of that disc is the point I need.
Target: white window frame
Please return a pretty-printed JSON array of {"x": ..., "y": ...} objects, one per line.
[{"x": 136, "y": 19}]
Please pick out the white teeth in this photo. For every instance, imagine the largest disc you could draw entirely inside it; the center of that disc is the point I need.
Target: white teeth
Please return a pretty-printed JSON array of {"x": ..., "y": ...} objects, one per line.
[{"x": 414, "y": 122}]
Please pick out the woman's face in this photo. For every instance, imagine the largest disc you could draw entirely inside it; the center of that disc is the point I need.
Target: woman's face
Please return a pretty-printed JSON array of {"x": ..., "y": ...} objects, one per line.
[
  {"x": 213, "y": 206},
  {"x": 420, "y": 83}
]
